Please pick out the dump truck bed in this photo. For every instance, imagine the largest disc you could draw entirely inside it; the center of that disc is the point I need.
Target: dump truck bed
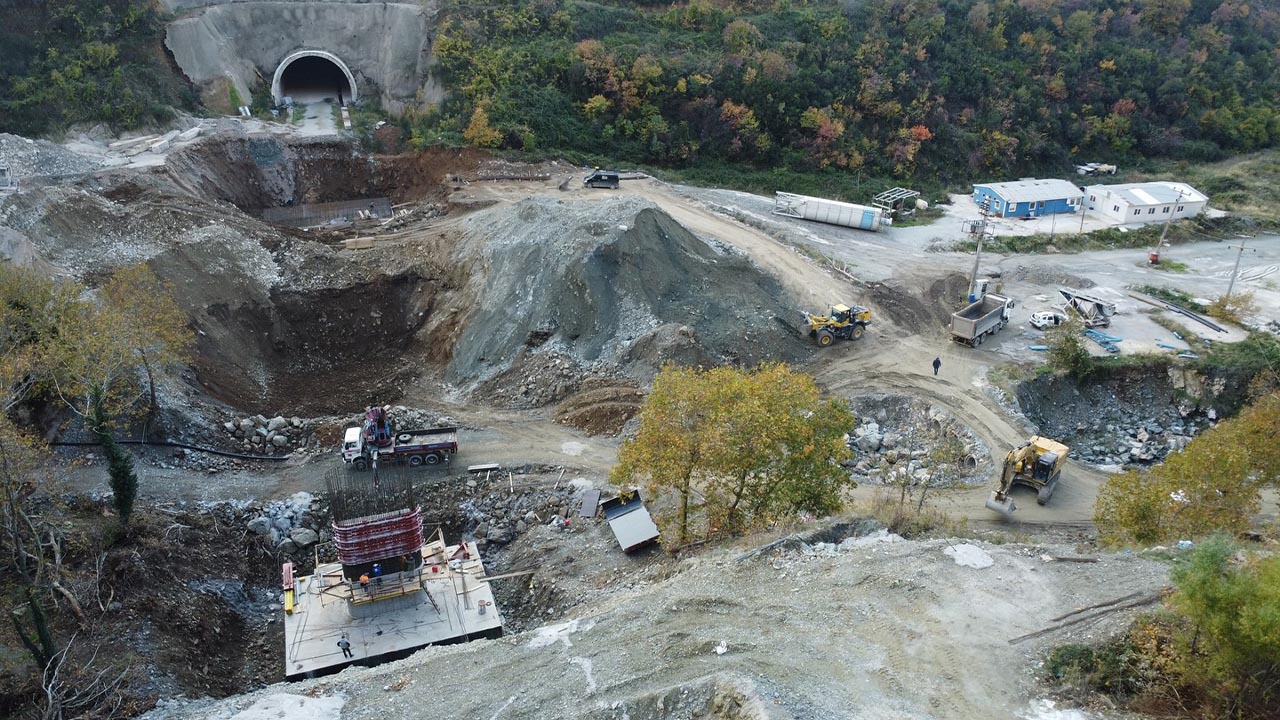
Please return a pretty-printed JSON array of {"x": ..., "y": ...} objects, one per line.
[{"x": 977, "y": 318}]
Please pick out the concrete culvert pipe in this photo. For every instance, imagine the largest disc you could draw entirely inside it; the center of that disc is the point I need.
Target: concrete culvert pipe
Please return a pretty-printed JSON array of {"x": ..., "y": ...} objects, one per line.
[
  {"x": 970, "y": 461},
  {"x": 310, "y": 76}
]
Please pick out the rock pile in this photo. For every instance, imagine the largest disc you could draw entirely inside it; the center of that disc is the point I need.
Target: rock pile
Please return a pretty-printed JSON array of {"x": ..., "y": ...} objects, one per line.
[
  {"x": 1131, "y": 416},
  {"x": 26, "y": 158},
  {"x": 903, "y": 434},
  {"x": 289, "y": 523},
  {"x": 262, "y": 435},
  {"x": 1120, "y": 438},
  {"x": 407, "y": 418},
  {"x": 498, "y": 517}
]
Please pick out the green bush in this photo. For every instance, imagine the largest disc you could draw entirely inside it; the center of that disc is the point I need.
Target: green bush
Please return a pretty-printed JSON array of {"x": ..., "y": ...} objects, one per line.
[
  {"x": 1229, "y": 651},
  {"x": 1112, "y": 668}
]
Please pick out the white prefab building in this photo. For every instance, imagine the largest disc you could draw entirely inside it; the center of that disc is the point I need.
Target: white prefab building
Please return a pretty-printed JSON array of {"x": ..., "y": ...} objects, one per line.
[{"x": 1141, "y": 203}]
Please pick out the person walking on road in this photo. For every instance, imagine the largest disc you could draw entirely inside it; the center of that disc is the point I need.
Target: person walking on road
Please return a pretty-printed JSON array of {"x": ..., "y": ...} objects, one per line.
[
  {"x": 937, "y": 364},
  {"x": 345, "y": 644}
]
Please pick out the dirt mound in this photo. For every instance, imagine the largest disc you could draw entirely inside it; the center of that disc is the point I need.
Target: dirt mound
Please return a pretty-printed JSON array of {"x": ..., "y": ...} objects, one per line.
[
  {"x": 601, "y": 410},
  {"x": 612, "y": 284},
  {"x": 921, "y": 310},
  {"x": 1048, "y": 276},
  {"x": 876, "y": 624}
]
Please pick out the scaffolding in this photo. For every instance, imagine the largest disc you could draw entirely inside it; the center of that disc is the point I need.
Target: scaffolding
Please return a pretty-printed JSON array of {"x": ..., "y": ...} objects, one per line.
[{"x": 893, "y": 201}]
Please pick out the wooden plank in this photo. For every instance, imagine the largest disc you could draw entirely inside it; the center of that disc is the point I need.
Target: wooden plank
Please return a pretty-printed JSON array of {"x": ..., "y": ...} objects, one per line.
[{"x": 486, "y": 467}]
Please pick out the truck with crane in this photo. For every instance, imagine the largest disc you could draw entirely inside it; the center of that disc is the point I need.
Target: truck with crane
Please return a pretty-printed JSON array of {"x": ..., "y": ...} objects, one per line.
[{"x": 378, "y": 441}]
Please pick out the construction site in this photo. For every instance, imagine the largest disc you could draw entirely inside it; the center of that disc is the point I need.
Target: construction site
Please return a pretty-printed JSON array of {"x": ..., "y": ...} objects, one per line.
[{"x": 424, "y": 365}]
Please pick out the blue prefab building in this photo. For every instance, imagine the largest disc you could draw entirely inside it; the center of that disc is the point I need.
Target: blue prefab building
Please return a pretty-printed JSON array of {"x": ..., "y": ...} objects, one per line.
[{"x": 1029, "y": 198}]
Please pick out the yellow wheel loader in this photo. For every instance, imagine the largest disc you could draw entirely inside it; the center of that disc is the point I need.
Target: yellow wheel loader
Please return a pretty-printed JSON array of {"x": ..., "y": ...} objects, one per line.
[
  {"x": 1038, "y": 465},
  {"x": 844, "y": 322}
]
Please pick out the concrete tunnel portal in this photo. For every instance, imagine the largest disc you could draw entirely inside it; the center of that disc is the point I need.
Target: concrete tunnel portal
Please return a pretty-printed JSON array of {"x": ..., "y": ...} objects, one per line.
[{"x": 310, "y": 76}]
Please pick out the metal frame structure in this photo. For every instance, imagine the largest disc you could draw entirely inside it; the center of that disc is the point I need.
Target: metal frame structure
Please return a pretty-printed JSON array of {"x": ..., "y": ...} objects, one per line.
[{"x": 890, "y": 200}]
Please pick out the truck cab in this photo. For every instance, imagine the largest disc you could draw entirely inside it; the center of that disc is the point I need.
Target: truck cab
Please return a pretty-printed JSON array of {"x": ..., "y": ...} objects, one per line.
[
  {"x": 601, "y": 179},
  {"x": 352, "y": 445}
]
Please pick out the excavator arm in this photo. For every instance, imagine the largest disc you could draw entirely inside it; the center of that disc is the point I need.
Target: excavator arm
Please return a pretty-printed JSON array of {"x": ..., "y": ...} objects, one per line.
[{"x": 999, "y": 500}]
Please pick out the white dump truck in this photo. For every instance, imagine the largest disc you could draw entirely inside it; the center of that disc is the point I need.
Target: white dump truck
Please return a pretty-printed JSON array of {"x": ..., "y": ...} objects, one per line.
[{"x": 980, "y": 319}]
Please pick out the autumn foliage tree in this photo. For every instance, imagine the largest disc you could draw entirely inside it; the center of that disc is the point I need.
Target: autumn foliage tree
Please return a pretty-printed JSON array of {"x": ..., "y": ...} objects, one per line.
[
  {"x": 723, "y": 451},
  {"x": 155, "y": 328},
  {"x": 90, "y": 353}
]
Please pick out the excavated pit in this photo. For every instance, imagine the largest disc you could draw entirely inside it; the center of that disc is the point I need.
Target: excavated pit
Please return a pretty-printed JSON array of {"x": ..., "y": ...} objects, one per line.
[{"x": 552, "y": 298}]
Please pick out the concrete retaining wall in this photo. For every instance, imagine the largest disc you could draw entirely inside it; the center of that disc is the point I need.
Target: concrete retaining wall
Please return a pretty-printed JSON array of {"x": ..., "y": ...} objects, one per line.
[{"x": 386, "y": 46}]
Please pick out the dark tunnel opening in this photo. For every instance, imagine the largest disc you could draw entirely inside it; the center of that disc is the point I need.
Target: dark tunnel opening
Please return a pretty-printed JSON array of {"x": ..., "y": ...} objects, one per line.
[{"x": 315, "y": 79}]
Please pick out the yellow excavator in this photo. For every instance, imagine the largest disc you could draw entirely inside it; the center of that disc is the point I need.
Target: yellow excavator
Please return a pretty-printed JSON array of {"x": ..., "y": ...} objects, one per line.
[
  {"x": 1037, "y": 464},
  {"x": 844, "y": 322}
]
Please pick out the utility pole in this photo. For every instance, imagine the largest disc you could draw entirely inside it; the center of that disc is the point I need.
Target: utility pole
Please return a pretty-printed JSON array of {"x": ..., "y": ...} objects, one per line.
[
  {"x": 1154, "y": 257},
  {"x": 979, "y": 230},
  {"x": 1236, "y": 271}
]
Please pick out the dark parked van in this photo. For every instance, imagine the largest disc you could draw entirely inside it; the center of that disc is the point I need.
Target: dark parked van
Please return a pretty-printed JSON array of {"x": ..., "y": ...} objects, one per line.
[{"x": 602, "y": 179}]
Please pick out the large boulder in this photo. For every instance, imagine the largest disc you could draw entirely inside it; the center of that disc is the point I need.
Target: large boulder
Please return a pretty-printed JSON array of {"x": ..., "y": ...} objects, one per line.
[
  {"x": 260, "y": 525},
  {"x": 304, "y": 537},
  {"x": 276, "y": 423}
]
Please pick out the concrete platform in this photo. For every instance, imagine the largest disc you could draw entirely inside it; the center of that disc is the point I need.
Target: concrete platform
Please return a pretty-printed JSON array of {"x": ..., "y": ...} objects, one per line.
[{"x": 391, "y": 619}]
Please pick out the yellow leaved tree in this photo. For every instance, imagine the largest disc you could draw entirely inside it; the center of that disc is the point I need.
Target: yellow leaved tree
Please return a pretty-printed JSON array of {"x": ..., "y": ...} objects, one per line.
[{"x": 724, "y": 451}]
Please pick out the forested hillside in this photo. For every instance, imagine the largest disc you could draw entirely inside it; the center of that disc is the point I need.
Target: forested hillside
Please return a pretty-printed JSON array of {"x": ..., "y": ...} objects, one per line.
[
  {"x": 69, "y": 61},
  {"x": 943, "y": 89},
  {"x": 899, "y": 87}
]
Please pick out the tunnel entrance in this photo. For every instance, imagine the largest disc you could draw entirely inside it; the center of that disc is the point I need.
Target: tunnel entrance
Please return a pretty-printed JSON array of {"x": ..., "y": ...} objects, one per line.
[{"x": 310, "y": 76}]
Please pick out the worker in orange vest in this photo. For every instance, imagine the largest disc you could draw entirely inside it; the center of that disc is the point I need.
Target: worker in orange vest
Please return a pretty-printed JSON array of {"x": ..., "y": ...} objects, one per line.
[{"x": 364, "y": 583}]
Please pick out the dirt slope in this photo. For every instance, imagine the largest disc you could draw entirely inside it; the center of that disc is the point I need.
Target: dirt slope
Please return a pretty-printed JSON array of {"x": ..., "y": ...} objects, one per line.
[{"x": 859, "y": 630}]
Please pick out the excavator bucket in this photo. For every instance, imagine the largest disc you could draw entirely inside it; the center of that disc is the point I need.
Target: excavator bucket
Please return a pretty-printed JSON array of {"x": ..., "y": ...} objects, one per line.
[{"x": 1005, "y": 507}]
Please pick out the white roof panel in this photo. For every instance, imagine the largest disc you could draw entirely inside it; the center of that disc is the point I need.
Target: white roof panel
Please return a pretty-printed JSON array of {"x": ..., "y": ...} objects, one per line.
[{"x": 1152, "y": 193}]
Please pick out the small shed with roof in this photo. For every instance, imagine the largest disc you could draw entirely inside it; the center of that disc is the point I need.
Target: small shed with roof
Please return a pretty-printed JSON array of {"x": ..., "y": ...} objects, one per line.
[{"x": 1028, "y": 197}]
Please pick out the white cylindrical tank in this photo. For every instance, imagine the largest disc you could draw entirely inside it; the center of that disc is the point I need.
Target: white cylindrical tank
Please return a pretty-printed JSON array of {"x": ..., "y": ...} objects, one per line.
[{"x": 833, "y": 212}]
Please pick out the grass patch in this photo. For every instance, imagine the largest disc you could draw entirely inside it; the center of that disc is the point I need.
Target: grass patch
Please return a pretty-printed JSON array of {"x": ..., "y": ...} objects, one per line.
[
  {"x": 1172, "y": 295},
  {"x": 1174, "y": 326},
  {"x": 1256, "y": 353},
  {"x": 1172, "y": 266},
  {"x": 905, "y": 520},
  {"x": 1185, "y": 231},
  {"x": 920, "y": 217},
  {"x": 1008, "y": 377}
]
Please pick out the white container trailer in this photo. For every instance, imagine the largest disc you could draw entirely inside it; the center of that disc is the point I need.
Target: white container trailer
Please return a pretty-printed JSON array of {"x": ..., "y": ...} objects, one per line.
[{"x": 833, "y": 212}]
